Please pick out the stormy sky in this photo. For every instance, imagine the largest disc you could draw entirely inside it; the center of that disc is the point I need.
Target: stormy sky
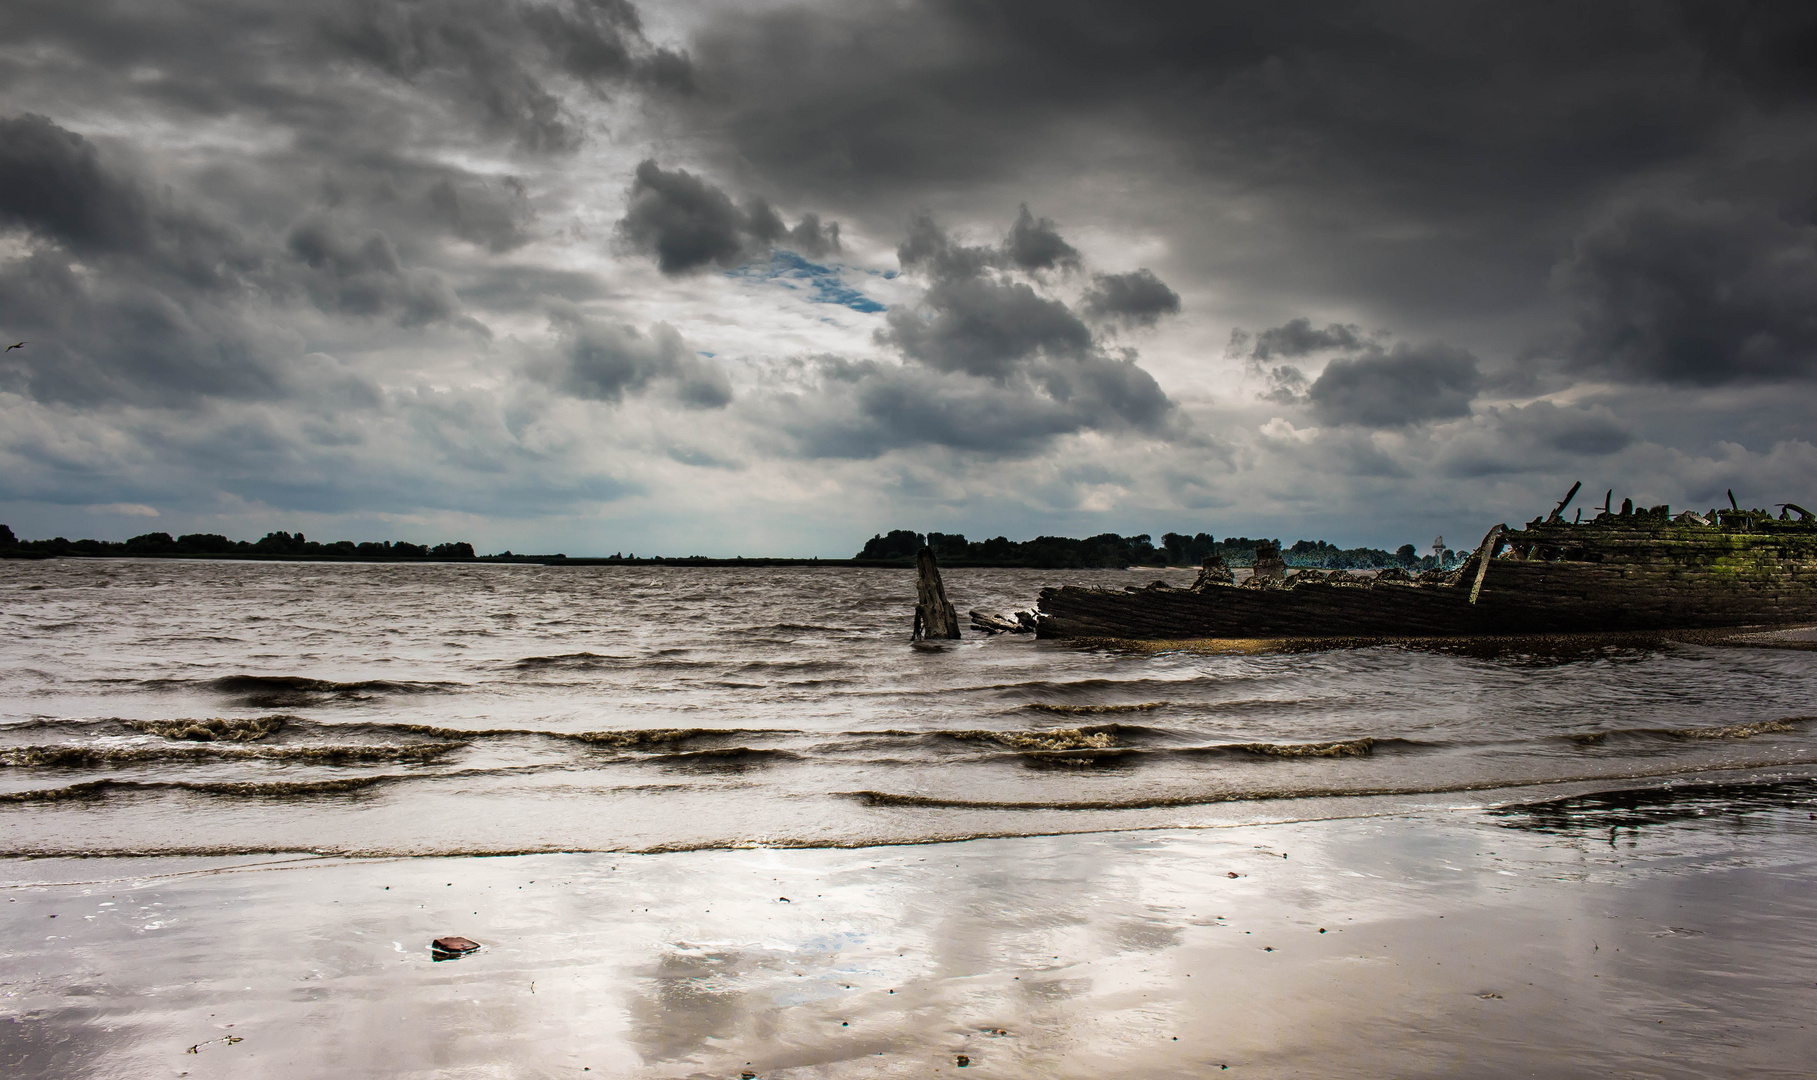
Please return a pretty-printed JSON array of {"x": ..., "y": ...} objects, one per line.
[{"x": 767, "y": 277}]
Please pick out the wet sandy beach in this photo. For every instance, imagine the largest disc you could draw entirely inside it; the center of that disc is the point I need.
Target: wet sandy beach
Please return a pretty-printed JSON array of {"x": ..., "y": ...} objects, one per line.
[{"x": 1662, "y": 935}]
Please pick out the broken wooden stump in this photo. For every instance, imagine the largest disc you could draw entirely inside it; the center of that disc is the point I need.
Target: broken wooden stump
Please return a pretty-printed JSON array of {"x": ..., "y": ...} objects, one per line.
[
  {"x": 935, "y": 619},
  {"x": 1213, "y": 571},
  {"x": 1269, "y": 566}
]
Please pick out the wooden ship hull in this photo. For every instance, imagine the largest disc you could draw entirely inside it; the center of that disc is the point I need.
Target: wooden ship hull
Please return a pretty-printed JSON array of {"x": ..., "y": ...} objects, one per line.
[{"x": 1633, "y": 571}]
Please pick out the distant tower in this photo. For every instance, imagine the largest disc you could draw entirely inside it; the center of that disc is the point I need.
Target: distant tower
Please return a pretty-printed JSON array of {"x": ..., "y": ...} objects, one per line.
[{"x": 1438, "y": 549}]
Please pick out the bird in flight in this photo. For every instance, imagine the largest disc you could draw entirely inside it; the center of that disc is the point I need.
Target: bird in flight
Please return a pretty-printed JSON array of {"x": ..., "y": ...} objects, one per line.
[{"x": 21, "y": 345}]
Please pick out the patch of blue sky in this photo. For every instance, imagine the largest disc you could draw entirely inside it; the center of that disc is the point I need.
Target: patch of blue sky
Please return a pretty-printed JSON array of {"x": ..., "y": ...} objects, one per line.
[{"x": 822, "y": 284}]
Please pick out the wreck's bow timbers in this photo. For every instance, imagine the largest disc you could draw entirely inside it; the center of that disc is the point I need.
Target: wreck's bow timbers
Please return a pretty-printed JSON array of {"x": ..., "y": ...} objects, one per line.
[{"x": 1642, "y": 570}]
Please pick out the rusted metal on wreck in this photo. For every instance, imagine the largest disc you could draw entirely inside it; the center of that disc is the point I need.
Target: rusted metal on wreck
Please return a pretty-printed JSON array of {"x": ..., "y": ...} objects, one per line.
[{"x": 1642, "y": 570}]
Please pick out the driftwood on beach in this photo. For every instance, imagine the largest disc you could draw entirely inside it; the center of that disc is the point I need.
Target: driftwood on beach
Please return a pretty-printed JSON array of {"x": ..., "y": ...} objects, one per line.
[
  {"x": 1633, "y": 570},
  {"x": 1022, "y": 623}
]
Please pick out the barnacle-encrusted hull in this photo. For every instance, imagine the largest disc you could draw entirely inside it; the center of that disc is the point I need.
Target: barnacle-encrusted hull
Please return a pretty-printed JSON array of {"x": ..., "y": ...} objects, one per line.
[{"x": 1616, "y": 573}]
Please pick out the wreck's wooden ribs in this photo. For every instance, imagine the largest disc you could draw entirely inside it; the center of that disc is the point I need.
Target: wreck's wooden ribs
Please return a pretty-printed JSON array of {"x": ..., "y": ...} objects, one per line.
[{"x": 1638, "y": 571}]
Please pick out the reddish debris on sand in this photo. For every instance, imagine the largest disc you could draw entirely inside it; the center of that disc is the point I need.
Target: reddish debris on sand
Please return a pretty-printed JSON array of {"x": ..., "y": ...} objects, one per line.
[{"x": 453, "y": 946}]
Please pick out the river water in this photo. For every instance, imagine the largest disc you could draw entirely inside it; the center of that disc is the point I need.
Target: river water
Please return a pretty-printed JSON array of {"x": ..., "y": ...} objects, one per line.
[{"x": 164, "y": 707}]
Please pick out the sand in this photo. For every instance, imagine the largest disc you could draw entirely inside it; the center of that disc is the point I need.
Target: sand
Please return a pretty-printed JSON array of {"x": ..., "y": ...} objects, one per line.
[{"x": 1444, "y": 943}]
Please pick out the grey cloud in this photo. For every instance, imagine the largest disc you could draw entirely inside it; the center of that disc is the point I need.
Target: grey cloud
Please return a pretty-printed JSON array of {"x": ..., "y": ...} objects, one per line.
[
  {"x": 1695, "y": 294},
  {"x": 690, "y": 224},
  {"x": 1287, "y": 384},
  {"x": 1397, "y": 387},
  {"x": 993, "y": 365},
  {"x": 985, "y": 327},
  {"x": 929, "y": 249},
  {"x": 498, "y": 220},
  {"x": 363, "y": 276},
  {"x": 975, "y": 323},
  {"x": 1298, "y": 337},
  {"x": 862, "y": 409},
  {"x": 605, "y": 361},
  {"x": 1138, "y": 298},
  {"x": 1036, "y": 245},
  {"x": 1368, "y": 384},
  {"x": 1541, "y": 437},
  {"x": 510, "y": 69},
  {"x": 54, "y": 186},
  {"x": 496, "y": 55},
  {"x": 129, "y": 296},
  {"x": 811, "y": 238},
  {"x": 1378, "y": 152},
  {"x": 52, "y": 183},
  {"x": 409, "y": 451}
]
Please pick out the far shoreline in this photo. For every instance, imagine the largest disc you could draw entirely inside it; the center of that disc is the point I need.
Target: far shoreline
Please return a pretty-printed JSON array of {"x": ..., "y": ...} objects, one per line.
[{"x": 583, "y": 560}]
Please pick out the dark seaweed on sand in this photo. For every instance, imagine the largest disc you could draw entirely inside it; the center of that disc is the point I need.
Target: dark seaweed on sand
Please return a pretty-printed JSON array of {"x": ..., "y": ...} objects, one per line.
[{"x": 1597, "y": 814}]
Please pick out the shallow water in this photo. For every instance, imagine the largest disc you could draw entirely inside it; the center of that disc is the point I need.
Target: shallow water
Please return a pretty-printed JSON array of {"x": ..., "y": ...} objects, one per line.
[{"x": 219, "y": 707}]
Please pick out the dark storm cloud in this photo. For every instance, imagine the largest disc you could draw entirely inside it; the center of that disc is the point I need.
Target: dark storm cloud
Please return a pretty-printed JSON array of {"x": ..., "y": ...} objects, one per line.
[
  {"x": 1397, "y": 387},
  {"x": 1138, "y": 298},
  {"x": 1425, "y": 162},
  {"x": 129, "y": 296},
  {"x": 357, "y": 105},
  {"x": 1298, "y": 337},
  {"x": 690, "y": 224},
  {"x": 964, "y": 90},
  {"x": 605, "y": 361},
  {"x": 498, "y": 64},
  {"x": 1540, "y": 437},
  {"x": 985, "y": 327},
  {"x": 1697, "y": 294},
  {"x": 52, "y": 183},
  {"x": 1367, "y": 383},
  {"x": 363, "y": 276},
  {"x": 972, "y": 322},
  {"x": 1034, "y": 244}
]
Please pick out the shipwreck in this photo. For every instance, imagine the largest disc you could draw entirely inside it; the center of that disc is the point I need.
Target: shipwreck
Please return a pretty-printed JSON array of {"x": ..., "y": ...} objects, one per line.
[{"x": 1618, "y": 570}]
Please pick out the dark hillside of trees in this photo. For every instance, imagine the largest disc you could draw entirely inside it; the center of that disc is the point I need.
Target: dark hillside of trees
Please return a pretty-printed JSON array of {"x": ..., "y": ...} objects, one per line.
[
  {"x": 1112, "y": 550},
  {"x": 275, "y": 544}
]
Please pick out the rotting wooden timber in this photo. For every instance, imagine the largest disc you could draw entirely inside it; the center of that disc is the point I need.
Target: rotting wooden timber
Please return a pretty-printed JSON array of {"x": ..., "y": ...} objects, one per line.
[
  {"x": 1639, "y": 571},
  {"x": 934, "y": 615}
]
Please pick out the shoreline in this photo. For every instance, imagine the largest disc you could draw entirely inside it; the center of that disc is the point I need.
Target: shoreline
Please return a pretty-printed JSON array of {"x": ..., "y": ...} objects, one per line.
[{"x": 1205, "y": 814}]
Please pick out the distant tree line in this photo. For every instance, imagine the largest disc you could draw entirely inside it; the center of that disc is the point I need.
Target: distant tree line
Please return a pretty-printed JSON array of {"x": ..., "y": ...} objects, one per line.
[
  {"x": 274, "y": 543},
  {"x": 1112, "y": 550}
]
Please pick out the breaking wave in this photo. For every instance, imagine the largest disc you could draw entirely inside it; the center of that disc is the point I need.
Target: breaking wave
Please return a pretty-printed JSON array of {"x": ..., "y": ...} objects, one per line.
[
  {"x": 66, "y": 756},
  {"x": 1089, "y": 710},
  {"x": 266, "y": 691},
  {"x": 236, "y": 729},
  {"x": 290, "y": 789},
  {"x": 1730, "y": 731}
]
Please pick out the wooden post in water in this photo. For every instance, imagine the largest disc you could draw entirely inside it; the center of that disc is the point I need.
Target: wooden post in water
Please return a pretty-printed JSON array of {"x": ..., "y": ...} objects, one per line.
[{"x": 934, "y": 616}]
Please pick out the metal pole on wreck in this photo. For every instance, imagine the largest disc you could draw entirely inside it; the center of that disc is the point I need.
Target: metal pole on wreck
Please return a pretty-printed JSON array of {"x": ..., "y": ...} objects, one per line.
[{"x": 934, "y": 615}]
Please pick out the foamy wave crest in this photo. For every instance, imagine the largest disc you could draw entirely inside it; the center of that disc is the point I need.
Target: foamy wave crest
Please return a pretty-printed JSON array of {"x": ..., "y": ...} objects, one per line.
[
  {"x": 1089, "y": 710},
  {"x": 234, "y": 729}
]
